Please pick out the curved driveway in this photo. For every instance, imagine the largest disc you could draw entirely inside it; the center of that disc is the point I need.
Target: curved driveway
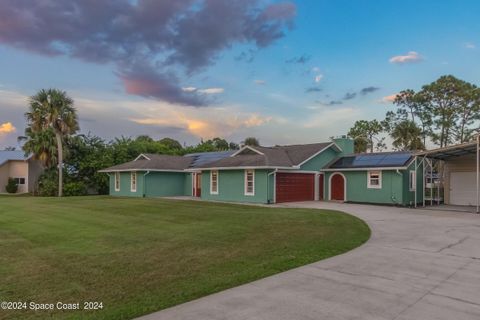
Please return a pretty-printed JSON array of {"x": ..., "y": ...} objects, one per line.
[{"x": 418, "y": 265}]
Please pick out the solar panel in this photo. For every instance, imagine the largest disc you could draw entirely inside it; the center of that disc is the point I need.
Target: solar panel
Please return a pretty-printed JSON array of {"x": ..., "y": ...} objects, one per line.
[
  {"x": 206, "y": 157},
  {"x": 386, "y": 159}
]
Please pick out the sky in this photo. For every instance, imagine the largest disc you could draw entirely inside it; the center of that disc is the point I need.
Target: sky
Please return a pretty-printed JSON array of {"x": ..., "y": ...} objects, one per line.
[{"x": 283, "y": 71}]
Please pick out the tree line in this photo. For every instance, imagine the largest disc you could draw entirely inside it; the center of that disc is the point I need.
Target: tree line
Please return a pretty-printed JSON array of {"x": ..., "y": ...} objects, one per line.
[
  {"x": 444, "y": 112},
  {"x": 72, "y": 160}
]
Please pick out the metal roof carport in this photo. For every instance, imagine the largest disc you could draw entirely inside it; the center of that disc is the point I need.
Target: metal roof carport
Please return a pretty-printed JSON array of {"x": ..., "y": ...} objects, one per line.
[{"x": 452, "y": 152}]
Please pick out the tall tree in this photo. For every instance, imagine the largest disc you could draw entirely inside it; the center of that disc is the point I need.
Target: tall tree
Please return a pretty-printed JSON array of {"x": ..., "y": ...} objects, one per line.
[
  {"x": 171, "y": 143},
  {"x": 365, "y": 134},
  {"x": 52, "y": 110},
  {"x": 443, "y": 97},
  {"x": 468, "y": 112},
  {"x": 406, "y": 136},
  {"x": 251, "y": 141},
  {"x": 413, "y": 105}
]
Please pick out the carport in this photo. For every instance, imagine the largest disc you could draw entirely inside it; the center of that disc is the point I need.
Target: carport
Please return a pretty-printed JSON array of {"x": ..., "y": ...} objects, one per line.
[{"x": 458, "y": 168}]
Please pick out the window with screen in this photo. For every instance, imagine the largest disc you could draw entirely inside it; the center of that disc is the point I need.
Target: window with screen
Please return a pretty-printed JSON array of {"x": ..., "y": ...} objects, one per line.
[
  {"x": 249, "y": 182},
  {"x": 374, "y": 180},
  {"x": 411, "y": 182},
  {"x": 214, "y": 182},
  {"x": 117, "y": 181},
  {"x": 133, "y": 182}
]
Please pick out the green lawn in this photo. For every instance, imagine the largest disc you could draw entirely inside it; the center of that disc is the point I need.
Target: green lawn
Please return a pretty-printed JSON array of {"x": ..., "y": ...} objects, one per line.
[{"x": 141, "y": 255}]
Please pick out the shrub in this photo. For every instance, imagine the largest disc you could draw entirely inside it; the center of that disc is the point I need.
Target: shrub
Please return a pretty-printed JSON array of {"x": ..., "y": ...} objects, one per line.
[
  {"x": 48, "y": 184},
  {"x": 12, "y": 186},
  {"x": 77, "y": 188}
]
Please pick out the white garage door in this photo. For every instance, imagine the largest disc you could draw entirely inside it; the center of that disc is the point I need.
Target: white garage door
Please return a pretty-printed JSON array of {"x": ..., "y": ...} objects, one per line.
[{"x": 463, "y": 188}]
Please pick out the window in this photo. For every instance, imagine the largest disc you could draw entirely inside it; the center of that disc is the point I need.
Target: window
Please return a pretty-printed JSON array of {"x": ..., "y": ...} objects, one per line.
[
  {"x": 249, "y": 182},
  {"x": 117, "y": 181},
  {"x": 374, "y": 180},
  {"x": 19, "y": 181},
  {"x": 133, "y": 182},
  {"x": 213, "y": 182},
  {"x": 412, "y": 181}
]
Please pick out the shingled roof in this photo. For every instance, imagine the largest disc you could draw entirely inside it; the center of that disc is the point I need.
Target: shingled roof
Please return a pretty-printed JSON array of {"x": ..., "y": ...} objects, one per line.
[
  {"x": 153, "y": 162},
  {"x": 270, "y": 157},
  {"x": 278, "y": 156}
]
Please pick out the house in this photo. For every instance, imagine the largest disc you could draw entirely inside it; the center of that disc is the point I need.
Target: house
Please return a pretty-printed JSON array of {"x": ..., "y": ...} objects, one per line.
[
  {"x": 318, "y": 171},
  {"x": 24, "y": 169}
]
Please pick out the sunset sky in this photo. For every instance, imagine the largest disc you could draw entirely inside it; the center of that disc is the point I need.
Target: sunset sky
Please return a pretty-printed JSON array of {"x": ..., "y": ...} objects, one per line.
[{"x": 285, "y": 72}]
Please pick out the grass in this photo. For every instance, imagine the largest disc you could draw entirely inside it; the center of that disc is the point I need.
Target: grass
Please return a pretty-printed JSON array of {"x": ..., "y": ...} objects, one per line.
[{"x": 142, "y": 255}]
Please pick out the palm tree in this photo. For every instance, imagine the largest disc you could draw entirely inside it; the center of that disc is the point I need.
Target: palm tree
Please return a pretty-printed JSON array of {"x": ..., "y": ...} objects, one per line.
[
  {"x": 51, "y": 113},
  {"x": 407, "y": 136}
]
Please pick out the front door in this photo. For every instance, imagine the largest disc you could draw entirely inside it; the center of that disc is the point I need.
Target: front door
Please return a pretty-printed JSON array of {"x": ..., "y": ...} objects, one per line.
[
  {"x": 337, "y": 187},
  {"x": 320, "y": 187},
  {"x": 197, "y": 184}
]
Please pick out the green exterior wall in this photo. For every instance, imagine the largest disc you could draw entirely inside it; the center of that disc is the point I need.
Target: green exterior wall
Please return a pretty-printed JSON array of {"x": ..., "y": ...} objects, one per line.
[
  {"x": 394, "y": 191},
  {"x": 188, "y": 187},
  {"x": 153, "y": 184},
  {"x": 125, "y": 185},
  {"x": 320, "y": 161},
  {"x": 410, "y": 195},
  {"x": 357, "y": 191},
  {"x": 165, "y": 184},
  {"x": 231, "y": 184}
]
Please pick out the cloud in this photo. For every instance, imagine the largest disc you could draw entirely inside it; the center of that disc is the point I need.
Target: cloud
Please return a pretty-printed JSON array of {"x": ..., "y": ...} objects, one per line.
[
  {"x": 259, "y": 82},
  {"x": 349, "y": 96},
  {"x": 300, "y": 59},
  {"x": 221, "y": 124},
  {"x": 313, "y": 89},
  {"x": 318, "y": 78},
  {"x": 149, "y": 42},
  {"x": 6, "y": 128},
  {"x": 368, "y": 90},
  {"x": 189, "y": 89},
  {"x": 330, "y": 103},
  {"x": 329, "y": 118},
  {"x": 469, "y": 45},
  {"x": 410, "y": 57},
  {"x": 146, "y": 83},
  {"x": 211, "y": 90},
  {"x": 389, "y": 99}
]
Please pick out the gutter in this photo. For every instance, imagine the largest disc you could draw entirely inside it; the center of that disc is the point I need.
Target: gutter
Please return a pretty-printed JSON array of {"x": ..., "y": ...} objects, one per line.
[
  {"x": 144, "y": 184},
  {"x": 274, "y": 184}
]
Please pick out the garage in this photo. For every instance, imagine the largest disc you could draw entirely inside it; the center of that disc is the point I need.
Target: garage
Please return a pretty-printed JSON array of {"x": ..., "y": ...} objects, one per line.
[
  {"x": 458, "y": 171},
  {"x": 292, "y": 187},
  {"x": 463, "y": 188}
]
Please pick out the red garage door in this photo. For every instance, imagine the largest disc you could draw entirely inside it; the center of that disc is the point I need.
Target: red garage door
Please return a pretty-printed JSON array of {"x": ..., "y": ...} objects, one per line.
[{"x": 295, "y": 187}]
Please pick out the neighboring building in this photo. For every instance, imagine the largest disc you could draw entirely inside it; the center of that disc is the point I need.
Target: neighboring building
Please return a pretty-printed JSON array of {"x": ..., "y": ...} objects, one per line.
[
  {"x": 25, "y": 170},
  {"x": 319, "y": 171}
]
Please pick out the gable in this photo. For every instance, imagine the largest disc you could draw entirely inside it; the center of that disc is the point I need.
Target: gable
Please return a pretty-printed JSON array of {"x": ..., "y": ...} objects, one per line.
[{"x": 320, "y": 160}]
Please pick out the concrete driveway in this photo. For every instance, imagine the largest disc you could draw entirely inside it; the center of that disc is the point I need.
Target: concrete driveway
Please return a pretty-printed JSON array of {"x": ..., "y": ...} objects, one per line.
[{"x": 418, "y": 265}]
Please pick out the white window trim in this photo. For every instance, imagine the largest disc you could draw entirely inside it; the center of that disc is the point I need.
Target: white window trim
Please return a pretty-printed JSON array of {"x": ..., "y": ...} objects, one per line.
[
  {"x": 246, "y": 184},
  {"x": 132, "y": 187},
  {"x": 211, "y": 181},
  {"x": 117, "y": 179},
  {"x": 20, "y": 184},
  {"x": 370, "y": 186},
  {"x": 412, "y": 186}
]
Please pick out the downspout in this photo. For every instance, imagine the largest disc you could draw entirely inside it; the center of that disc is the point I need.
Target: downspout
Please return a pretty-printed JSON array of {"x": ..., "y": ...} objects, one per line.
[
  {"x": 423, "y": 180},
  {"x": 478, "y": 173},
  {"x": 274, "y": 183},
  {"x": 393, "y": 198},
  {"x": 144, "y": 184},
  {"x": 416, "y": 182}
]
